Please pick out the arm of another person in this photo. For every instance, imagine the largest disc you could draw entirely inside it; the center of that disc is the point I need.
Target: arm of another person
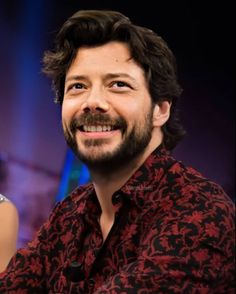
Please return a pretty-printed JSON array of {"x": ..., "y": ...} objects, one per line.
[
  {"x": 9, "y": 223},
  {"x": 31, "y": 268}
]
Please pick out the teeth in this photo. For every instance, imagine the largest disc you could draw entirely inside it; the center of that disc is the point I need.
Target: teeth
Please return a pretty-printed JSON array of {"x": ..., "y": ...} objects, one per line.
[{"x": 97, "y": 128}]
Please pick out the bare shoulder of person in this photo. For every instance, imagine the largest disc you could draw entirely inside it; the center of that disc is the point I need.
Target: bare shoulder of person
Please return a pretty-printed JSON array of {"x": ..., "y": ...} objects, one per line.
[
  {"x": 9, "y": 223},
  {"x": 8, "y": 212}
]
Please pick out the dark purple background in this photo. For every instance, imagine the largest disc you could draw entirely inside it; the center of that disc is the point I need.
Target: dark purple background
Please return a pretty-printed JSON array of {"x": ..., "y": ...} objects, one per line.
[{"x": 202, "y": 38}]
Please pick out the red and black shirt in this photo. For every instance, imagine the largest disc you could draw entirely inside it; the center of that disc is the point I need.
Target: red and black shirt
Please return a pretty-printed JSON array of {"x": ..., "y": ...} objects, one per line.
[{"x": 173, "y": 233}]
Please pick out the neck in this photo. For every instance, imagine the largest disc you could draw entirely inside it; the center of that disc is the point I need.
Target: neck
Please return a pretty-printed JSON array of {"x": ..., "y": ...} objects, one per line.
[{"x": 106, "y": 183}]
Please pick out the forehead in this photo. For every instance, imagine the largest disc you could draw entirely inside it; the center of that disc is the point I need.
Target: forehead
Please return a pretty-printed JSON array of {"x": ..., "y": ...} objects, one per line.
[
  {"x": 112, "y": 51},
  {"x": 111, "y": 57}
]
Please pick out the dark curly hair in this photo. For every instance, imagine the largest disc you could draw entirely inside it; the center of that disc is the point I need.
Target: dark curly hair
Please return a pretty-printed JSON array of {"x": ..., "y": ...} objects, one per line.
[{"x": 97, "y": 27}]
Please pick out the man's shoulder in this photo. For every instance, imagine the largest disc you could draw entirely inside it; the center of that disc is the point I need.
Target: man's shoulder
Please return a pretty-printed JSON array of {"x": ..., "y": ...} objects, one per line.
[
  {"x": 80, "y": 193},
  {"x": 188, "y": 183},
  {"x": 75, "y": 201}
]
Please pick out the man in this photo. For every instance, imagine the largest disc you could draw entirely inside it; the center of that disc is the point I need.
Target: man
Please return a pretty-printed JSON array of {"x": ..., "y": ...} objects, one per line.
[{"x": 146, "y": 223}]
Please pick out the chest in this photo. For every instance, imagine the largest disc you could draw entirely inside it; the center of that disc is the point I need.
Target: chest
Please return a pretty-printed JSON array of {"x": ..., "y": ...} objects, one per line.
[{"x": 95, "y": 261}]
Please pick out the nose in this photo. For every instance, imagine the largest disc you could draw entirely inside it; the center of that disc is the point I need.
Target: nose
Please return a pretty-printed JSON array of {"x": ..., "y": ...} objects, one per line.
[{"x": 95, "y": 102}]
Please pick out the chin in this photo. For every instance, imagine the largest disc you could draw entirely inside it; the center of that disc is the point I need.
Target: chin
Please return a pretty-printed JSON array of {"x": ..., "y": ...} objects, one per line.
[{"x": 95, "y": 155}]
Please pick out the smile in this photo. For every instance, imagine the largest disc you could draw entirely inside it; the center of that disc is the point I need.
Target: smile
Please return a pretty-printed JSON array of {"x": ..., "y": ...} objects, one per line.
[
  {"x": 98, "y": 131},
  {"x": 98, "y": 128}
]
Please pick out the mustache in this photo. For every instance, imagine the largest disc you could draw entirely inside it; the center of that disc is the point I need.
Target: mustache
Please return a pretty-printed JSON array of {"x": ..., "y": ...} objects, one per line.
[{"x": 96, "y": 119}]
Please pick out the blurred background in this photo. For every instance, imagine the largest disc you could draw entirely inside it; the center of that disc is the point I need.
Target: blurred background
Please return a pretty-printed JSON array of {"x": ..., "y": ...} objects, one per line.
[{"x": 36, "y": 168}]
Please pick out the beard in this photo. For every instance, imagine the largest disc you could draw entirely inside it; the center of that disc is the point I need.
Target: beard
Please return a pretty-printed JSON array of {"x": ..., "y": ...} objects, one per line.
[{"x": 132, "y": 145}]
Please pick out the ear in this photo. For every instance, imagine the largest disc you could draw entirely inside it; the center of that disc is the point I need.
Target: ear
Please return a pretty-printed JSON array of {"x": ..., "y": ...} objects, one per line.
[{"x": 161, "y": 113}]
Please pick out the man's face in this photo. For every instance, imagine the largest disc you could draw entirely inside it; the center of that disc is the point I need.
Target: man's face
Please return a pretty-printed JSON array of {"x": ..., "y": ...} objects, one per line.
[{"x": 107, "y": 111}]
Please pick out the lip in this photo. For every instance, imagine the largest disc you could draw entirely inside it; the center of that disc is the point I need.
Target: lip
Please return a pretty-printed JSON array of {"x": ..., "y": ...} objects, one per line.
[{"x": 99, "y": 135}]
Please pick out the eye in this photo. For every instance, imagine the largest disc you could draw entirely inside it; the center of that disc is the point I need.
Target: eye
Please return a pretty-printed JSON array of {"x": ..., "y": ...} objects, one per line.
[
  {"x": 75, "y": 87},
  {"x": 119, "y": 84}
]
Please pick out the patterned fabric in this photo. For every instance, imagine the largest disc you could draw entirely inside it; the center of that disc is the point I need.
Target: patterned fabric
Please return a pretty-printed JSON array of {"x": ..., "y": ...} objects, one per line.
[
  {"x": 3, "y": 199},
  {"x": 173, "y": 233}
]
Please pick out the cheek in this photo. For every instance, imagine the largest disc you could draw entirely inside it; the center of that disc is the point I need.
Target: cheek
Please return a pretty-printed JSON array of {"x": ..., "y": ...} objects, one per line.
[
  {"x": 64, "y": 125},
  {"x": 130, "y": 111},
  {"x": 63, "y": 110},
  {"x": 66, "y": 113}
]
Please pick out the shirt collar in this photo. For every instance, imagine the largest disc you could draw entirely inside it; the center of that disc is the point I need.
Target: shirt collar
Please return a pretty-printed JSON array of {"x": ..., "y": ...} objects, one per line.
[
  {"x": 139, "y": 188},
  {"x": 145, "y": 181}
]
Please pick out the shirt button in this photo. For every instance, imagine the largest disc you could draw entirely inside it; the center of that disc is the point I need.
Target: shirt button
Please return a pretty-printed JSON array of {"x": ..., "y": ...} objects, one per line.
[
  {"x": 74, "y": 272},
  {"x": 91, "y": 282},
  {"x": 116, "y": 199}
]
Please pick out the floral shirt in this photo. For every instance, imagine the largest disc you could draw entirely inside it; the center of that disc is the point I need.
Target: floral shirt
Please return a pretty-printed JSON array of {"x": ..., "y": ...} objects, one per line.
[{"x": 173, "y": 233}]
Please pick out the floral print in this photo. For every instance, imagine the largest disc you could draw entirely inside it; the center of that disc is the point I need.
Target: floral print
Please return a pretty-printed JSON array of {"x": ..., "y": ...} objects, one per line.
[{"x": 173, "y": 233}]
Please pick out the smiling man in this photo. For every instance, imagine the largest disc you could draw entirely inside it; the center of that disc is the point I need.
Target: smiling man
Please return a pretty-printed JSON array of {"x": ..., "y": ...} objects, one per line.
[
  {"x": 146, "y": 223},
  {"x": 107, "y": 111}
]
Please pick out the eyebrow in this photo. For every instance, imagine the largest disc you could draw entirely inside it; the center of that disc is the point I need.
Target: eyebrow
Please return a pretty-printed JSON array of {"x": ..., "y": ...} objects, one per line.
[
  {"x": 119, "y": 75},
  {"x": 75, "y": 78},
  {"x": 106, "y": 77}
]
